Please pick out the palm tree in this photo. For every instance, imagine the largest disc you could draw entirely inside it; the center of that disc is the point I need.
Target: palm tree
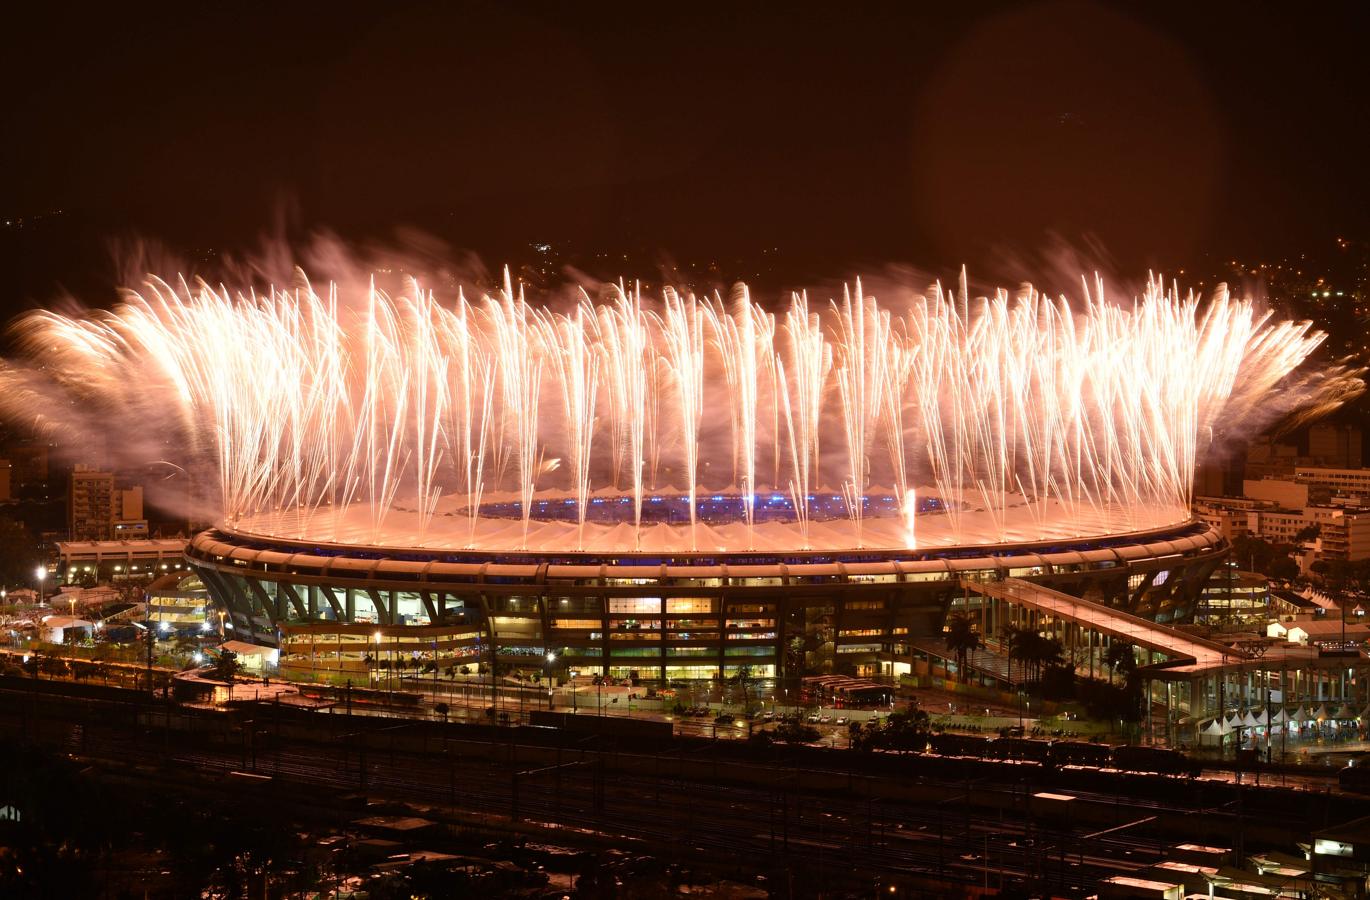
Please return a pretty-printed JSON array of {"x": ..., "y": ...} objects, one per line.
[
  {"x": 961, "y": 638},
  {"x": 1014, "y": 641},
  {"x": 1041, "y": 651},
  {"x": 1051, "y": 653}
]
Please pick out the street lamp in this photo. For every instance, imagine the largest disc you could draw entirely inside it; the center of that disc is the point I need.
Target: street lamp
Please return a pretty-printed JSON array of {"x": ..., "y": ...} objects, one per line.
[
  {"x": 551, "y": 660},
  {"x": 41, "y": 573},
  {"x": 378, "y": 649}
]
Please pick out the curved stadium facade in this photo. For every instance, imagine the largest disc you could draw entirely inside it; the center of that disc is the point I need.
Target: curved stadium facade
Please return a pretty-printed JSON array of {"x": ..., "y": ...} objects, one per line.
[{"x": 664, "y": 616}]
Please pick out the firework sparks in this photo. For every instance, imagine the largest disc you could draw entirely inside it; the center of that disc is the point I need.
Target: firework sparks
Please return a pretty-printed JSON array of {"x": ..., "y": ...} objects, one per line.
[{"x": 1002, "y": 417}]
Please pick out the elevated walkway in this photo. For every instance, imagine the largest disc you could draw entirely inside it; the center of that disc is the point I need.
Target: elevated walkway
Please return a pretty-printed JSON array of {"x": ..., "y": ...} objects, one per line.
[
  {"x": 1184, "y": 654},
  {"x": 981, "y": 660}
]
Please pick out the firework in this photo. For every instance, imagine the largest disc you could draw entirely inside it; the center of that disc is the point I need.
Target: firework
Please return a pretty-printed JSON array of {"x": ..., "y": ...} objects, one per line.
[{"x": 392, "y": 419}]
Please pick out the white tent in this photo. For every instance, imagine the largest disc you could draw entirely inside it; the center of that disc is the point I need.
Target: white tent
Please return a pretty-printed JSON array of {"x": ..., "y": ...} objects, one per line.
[
  {"x": 252, "y": 656},
  {"x": 1280, "y": 718},
  {"x": 1216, "y": 728},
  {"x": 1250, "y": 721}
]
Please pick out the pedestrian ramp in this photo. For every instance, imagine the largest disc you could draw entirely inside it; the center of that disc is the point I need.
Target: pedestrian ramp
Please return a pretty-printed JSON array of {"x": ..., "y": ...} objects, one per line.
[{"x": 1182, "y": 653}]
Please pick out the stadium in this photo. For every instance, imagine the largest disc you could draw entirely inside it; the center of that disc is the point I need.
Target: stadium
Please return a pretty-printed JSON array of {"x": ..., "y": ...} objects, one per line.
[{"x": 660, "y": 616}]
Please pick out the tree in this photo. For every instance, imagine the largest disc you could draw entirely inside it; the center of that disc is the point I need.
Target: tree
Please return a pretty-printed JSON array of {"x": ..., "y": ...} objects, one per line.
[
  {"x": 226, "y": 667},
  {"x": 793, "y": 733},
  {"x": 1058, "y": 682},
  {"x": 1104, "y": 700},
  {"x": 1121, "y": 658},
  {"x": 1013, "y": 640},
  {"x": 1031, "y": 649},
  {"x": 744, "y": 678},
  {"x": 905, "y": 732},
  {"x": 795, "y": 654},
  {"x": 1041, "y": 651},
  {"x": 442, "y": 709},
  {"x": 1252, "y": 552},
  {"x": 1284, "y": 569},
  {"x": 962, "y": 639}
]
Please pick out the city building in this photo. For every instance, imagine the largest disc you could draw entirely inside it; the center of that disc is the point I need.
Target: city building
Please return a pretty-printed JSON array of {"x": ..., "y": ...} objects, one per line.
[
  {"x": 1226, "y": 516},
  {"x": 1272, "y": 511},
  {"x": 1343, "y": 534},
  {"x": 29, "y": 464},
  {"x": 1285, "y": 492},
  {"x": 90, "y": 505},
  {"x": 1349, "y": 482},
  {"x": 1321, "y": 631},
  {"x": 92, "y": 562},
  {"x": 97, "y": 510},
  {"x": 1276, "y": 525},
  {"x": 1234, "y": 597},
  {"x": 1235, "y": 517},
  {"x": 178, "y": 601},
  {"x": 1335, "y": 445}
]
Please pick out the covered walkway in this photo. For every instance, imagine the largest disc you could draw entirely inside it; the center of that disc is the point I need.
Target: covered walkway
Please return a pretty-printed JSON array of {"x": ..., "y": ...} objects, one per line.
[
  {"x": 1177, "y": 649},
  {"x": 1191, "y": 681}
]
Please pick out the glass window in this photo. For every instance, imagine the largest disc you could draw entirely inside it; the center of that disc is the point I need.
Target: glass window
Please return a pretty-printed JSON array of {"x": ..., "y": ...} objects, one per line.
[
  {"x": 575, "y": 623},
  {"x": 640, "y": 605},
  {"x": 689, "y": 604}
]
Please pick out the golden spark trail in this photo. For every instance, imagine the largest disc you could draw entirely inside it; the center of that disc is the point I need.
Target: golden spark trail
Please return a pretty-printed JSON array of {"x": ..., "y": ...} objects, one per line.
[{"x": 358, "y": 415}]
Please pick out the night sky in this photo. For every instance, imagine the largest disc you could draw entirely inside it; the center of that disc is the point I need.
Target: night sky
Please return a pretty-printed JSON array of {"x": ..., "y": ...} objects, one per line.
[{"x": 846, "y": 136}]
